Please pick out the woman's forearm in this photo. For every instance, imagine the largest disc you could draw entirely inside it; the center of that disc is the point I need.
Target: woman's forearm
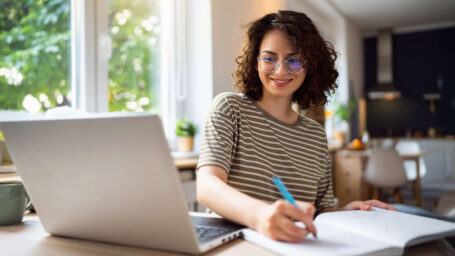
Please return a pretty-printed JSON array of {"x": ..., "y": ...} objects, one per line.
[{"x": 213, "y": 192}]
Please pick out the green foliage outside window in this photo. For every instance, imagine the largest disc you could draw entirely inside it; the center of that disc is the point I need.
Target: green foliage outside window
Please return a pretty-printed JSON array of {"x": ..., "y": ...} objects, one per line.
[
  {"x": 134, "y": 65},
  {"x": 35, "y": 54}
]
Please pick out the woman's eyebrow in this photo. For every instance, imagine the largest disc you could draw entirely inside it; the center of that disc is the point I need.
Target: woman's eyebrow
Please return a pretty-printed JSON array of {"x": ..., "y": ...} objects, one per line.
[
  {"x": 274, "y": 53},
  {"x": 269, "y": 52}
]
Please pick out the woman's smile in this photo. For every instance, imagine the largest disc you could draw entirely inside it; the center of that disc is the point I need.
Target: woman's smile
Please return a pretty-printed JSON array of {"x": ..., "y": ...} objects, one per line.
[{"x": 281, "y": 82}]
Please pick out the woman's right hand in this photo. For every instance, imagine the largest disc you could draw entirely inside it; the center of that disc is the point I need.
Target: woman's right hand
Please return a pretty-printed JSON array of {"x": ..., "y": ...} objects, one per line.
[{"x": 276, "y": 221}]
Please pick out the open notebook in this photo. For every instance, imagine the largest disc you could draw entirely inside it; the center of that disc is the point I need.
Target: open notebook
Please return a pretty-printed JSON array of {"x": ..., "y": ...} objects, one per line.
[{"x": 375, "y": 232}]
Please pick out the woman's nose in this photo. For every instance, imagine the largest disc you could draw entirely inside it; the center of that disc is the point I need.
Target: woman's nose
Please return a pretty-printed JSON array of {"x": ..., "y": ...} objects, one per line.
[{"x": 281, "y": 68}]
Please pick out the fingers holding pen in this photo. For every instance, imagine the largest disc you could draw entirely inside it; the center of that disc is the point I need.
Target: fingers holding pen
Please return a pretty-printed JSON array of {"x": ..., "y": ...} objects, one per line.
[
  {"x": 307, "y": 217},
  {"x": 293, "y": 213},
  {"x": 277, "y": 222}
]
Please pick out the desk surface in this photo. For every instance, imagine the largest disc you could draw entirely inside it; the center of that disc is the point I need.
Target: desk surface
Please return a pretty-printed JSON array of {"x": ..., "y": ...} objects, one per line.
[
  {"x": 366, "y": 153},
  {"x": 29, "y": 238}
]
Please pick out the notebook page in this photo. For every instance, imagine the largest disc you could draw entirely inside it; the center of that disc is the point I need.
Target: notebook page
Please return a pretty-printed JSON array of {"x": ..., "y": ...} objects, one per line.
[
  {"x": 331, "y": 241},
  {"x": 389, "y": 226}
]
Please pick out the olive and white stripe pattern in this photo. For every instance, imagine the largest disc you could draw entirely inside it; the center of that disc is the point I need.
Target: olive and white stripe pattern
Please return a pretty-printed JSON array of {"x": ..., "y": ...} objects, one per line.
[{"x": 252, "y": 146}]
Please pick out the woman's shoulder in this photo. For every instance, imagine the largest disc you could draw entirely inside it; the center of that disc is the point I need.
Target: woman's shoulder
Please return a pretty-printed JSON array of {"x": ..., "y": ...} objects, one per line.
[
  {"x": 230, "y": 96},
  {"x": 310, "y": 124},
  {"x": 233, "y": 99}
]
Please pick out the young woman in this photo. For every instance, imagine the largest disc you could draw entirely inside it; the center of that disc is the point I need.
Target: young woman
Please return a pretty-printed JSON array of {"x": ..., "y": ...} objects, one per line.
[{"x": 253, "y": 135}]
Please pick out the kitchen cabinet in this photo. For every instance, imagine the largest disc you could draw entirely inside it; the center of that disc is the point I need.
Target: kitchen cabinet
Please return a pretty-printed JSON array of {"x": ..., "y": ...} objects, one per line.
[{"x": 348, "y": 182}]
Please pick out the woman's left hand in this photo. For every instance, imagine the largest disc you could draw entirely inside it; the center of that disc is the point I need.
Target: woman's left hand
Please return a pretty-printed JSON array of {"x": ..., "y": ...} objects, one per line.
[{"x": 366, "y": 205}]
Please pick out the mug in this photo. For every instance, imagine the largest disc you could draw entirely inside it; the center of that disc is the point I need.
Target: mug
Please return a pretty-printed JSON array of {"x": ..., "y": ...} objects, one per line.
[{"x": 14, "y": 201}]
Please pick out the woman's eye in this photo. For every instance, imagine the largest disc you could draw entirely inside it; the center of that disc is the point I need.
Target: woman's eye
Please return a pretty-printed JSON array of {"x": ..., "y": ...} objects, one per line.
[
  {"x": 293, "y": 60},
  {"x": 269, "y": 59}
]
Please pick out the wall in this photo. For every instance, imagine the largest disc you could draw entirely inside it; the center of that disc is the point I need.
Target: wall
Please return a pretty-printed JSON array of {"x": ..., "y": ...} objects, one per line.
[
  {"x": 423, "y": 62},
  {"x": 354, "y": 55},
  {"x": 347, "y": 40},
  {"x": 228, "y": 21},
  {"x": 332, "y": 27}
]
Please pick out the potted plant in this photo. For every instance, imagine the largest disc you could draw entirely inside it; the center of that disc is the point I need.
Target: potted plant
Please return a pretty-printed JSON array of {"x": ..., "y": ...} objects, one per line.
[
  {"x": 342, "y": 113},
  {"x": 185, "y": 131}
]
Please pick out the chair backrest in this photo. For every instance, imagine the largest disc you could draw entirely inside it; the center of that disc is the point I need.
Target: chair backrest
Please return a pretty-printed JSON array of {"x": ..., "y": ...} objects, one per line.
[
  {"x": 385, "y": 168},
  {"x": 410, "y": 147},
  {"x": 446, "y": 205},
  {"x": 407, "y": 146},
  {"x": 387, "y": 143}
]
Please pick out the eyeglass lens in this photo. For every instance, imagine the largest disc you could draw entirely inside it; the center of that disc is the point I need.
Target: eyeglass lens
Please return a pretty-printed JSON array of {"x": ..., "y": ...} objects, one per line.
[{"x": 270, "y": 64}]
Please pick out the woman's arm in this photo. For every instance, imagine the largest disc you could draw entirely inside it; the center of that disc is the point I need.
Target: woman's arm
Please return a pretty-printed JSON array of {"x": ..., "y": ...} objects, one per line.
[{"x": 273, "y": 220}]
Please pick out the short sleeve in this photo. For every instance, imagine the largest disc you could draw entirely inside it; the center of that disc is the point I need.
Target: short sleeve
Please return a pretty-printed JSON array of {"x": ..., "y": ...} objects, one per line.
[
  {"x": 325, "y": 198},
  {"x": 218, "y": 137}
]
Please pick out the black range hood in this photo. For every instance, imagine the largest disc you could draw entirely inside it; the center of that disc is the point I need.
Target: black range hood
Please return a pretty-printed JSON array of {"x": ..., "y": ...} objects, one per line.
[{"x": 385, "y": 88}]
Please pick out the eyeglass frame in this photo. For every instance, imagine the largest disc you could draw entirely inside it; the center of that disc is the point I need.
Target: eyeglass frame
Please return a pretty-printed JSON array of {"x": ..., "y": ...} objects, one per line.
[{"x": 278, "y": 63}]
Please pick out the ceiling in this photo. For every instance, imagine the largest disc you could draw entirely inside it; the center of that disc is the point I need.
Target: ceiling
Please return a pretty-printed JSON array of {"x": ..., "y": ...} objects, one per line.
[{"x": 371, "y": 15}]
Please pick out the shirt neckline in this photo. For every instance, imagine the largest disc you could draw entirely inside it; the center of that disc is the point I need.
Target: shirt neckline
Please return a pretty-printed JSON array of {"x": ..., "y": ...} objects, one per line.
[{"x": 272, "y": 118}]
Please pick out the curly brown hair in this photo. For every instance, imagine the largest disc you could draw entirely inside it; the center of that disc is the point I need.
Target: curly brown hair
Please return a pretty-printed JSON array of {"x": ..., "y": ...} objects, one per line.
[{"x": 318, "y": 55}]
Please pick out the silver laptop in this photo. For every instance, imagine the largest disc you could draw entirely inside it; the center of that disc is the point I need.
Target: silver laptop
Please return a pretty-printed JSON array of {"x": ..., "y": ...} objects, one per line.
[{"x": 109, "y": 178}]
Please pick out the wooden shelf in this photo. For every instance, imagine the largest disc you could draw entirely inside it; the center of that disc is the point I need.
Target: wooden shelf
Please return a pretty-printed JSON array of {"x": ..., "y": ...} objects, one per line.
[
  {"x": 7, "y": 168},
  {"x": 8, "y": 172}
]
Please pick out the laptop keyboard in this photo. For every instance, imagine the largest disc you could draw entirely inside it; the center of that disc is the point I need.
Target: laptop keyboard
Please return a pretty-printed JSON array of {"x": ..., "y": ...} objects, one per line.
[{"x": 205, "y": 233}]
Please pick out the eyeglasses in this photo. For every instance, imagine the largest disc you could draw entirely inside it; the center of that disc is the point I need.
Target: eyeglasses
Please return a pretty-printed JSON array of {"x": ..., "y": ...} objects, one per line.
[{"x": 271, "y": 64}]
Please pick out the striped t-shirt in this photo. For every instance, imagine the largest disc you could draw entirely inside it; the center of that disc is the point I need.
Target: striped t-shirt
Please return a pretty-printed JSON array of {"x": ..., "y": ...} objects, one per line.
[{"x": 252, "y": 146}]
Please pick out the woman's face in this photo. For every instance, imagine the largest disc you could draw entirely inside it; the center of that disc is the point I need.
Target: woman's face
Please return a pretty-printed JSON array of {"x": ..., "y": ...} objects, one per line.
[{"x": 281, "y": 82}]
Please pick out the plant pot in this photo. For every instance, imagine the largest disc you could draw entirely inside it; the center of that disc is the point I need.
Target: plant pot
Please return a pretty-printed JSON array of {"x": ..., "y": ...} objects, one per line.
[
  {"x": 339, "y": 136},
  {"x": 185, "y": 144}
]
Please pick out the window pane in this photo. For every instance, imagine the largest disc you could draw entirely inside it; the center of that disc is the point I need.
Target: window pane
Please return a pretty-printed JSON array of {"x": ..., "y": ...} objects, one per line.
[
  {"x": 134, "y": 67},
  {"x": 34, "y": 54}
]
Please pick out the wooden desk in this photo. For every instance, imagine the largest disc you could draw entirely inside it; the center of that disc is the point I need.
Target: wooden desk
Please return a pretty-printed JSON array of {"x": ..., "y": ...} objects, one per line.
[
  {"x": 29, "y": 238},
  {"x": 349, "y": 184},
  {"x": 186, "y": 163}
]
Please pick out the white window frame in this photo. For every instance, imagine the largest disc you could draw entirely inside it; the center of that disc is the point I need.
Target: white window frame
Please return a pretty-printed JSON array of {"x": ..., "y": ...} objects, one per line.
[
  {"x": 88, "y": 67},
  {"x": 91, "y": 49}
]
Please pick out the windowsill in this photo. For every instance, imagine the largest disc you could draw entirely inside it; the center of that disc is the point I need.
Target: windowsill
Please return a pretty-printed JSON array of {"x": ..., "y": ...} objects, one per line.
[{"x": 178, "y": 154}]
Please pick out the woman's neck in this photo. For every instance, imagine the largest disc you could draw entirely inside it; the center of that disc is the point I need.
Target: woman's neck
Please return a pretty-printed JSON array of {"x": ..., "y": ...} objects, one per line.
[{"x": 280, "y": 108}]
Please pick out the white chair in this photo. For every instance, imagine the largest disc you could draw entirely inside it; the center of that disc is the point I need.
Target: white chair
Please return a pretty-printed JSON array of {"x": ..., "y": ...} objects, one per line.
[
  {"x": 387, "y": 143},
  {"x": 446, "y": 205},
  {"x": 385, "y": 170},
  {"x": 410, "y": 147}
]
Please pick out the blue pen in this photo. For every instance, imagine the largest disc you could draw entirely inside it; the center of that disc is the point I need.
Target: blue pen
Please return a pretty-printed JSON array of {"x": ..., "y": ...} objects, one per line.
[{"x": 284, "y": 191}]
